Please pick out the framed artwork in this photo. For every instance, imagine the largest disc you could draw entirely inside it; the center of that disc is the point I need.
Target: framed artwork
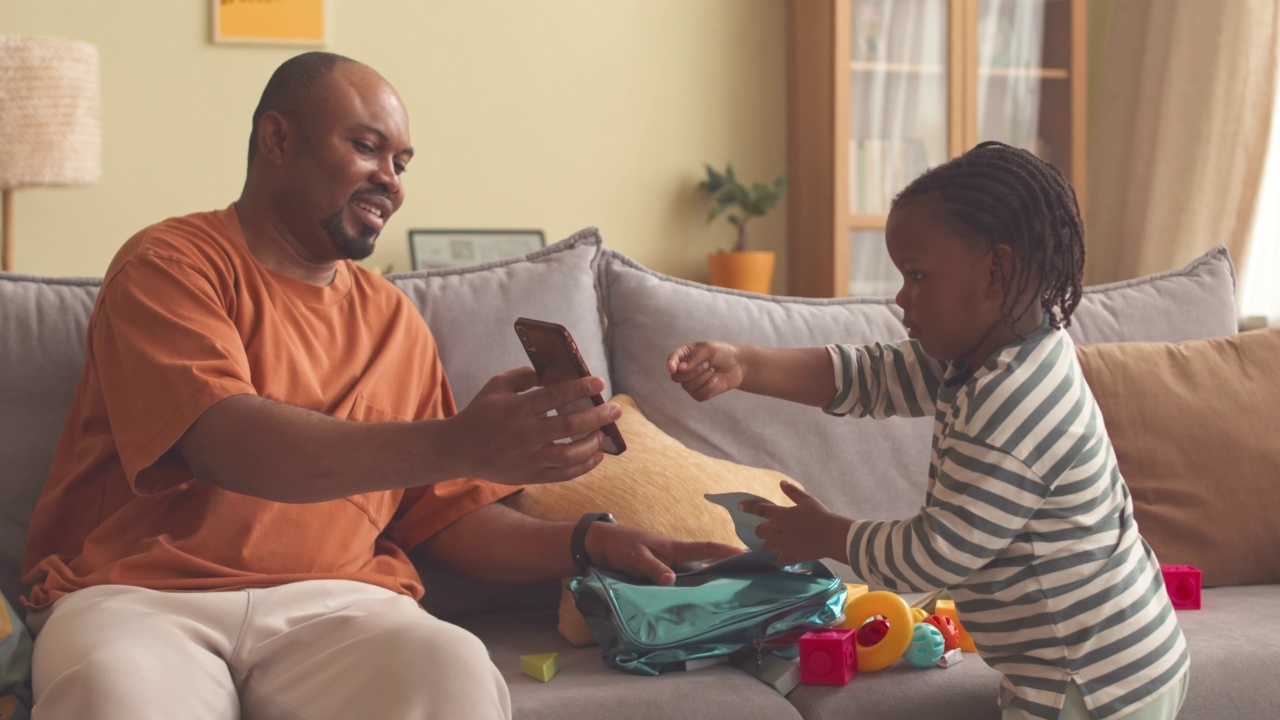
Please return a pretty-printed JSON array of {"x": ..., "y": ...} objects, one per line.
[
  {"x": 274, "y": 22},
  {"x": 445, "y": 248}
]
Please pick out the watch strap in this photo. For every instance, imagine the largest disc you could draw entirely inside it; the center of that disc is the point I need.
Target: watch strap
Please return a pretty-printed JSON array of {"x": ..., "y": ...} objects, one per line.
[{"x": 578, "y": 541}]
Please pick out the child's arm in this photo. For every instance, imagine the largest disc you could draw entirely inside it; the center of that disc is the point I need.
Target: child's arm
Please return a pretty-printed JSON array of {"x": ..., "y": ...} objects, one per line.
[
  {"x": 883, "y": 380},
  {"x": 709, "y": 368}
]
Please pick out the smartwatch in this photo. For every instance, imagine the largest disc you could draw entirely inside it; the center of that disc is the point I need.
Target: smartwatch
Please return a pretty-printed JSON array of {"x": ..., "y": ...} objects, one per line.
[{"x": 578, "y": 542}]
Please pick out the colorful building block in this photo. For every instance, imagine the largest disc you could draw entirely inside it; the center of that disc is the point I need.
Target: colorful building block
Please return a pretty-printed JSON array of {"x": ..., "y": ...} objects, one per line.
[
  {"x": 540, "y": 667},
  {"x": 828, "y": 657},
  {"x": 1183, "y": 585}
]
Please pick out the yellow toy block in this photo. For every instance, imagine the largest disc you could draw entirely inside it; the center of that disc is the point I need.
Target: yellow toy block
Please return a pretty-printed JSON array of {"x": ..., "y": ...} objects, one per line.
[
  {"x": 540, "y": 667},
  {"x": 855, "y": 591},
  {"x": 947, "y": 608}
]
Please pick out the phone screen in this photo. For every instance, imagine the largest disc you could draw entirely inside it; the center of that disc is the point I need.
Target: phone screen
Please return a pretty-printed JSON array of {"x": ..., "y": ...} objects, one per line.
[{"x": 555, "y": 357}]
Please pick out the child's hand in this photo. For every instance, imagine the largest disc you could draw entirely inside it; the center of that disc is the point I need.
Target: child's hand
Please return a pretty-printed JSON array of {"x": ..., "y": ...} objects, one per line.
[
  {"x": 808, "y": 531},
  {"x": 706, "y": 369}
]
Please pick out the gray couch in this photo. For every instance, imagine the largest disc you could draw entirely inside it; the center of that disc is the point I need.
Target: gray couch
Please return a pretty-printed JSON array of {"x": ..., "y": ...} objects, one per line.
[{"x": 626, "y": 319}]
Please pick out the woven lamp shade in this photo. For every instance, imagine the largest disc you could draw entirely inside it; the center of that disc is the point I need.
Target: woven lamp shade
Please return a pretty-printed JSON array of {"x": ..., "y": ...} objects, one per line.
[{"x": 50, "y": 112}]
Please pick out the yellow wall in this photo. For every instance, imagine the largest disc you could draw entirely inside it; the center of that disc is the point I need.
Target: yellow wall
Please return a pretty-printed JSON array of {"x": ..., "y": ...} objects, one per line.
[{"x": 551, "y": 114}]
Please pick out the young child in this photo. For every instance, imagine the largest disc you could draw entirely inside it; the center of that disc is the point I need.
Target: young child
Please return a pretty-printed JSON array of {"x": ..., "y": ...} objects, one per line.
[{"x": 1026, "y": 517}]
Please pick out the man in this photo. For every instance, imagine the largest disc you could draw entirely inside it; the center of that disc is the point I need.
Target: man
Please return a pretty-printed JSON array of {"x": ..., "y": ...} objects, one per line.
[{"x": 263, "y": 430}]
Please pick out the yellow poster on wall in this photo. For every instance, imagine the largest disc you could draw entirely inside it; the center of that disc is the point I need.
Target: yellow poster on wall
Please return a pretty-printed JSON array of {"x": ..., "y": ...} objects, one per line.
[{"x": 298, "y": 22}]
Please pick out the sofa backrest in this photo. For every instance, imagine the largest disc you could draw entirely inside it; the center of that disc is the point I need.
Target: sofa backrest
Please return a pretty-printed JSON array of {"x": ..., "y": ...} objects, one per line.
[
  {"x": 42, "y": 331},
  {"x": 866, "y": 469},
  {"x": 577, "y": 283}
]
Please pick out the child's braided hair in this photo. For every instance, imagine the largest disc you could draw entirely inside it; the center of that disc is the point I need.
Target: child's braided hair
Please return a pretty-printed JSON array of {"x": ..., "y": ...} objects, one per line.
[{"x": 1003, "y": 195}]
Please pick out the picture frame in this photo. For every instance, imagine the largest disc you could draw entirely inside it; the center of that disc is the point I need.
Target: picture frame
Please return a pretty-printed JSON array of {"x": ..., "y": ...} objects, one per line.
[
  {"x": 429, "y": 249},
  {"x": 279, "y": 22}
]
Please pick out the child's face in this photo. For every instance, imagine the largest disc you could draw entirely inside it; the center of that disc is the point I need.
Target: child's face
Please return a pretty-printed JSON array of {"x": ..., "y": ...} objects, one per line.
[{"x": 951, "y": 287}]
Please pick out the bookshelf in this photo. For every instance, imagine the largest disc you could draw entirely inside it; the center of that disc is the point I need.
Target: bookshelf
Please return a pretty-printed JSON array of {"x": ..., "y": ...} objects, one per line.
[{"x": 881, "y": 90}]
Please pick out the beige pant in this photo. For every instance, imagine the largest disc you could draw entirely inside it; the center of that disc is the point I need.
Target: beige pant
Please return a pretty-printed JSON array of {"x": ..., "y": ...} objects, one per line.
[
  {"x": 318, "y": 649},
  {"x": 1164, "y": 706}
]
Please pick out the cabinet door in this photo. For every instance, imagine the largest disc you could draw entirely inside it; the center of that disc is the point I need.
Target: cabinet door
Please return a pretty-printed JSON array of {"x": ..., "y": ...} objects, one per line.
[
  {"x": 1029, "y": 79},
  {"x": 881, "y": 90},
  {"x": 900, "y": 120}
]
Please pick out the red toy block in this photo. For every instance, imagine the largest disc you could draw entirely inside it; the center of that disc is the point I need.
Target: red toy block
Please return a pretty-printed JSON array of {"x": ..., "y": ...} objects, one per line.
[
  {"x": 828, "y": 657},
  {"x": 1183, "y": 584}
]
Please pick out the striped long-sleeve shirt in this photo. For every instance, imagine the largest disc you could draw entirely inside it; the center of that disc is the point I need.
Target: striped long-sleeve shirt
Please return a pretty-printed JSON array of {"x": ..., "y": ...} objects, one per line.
[{"x": 1026, "y": 519}]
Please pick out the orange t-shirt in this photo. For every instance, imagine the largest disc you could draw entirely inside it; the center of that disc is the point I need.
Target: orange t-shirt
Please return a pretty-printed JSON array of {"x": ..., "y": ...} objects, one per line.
[{"x": 187, "y": 317}]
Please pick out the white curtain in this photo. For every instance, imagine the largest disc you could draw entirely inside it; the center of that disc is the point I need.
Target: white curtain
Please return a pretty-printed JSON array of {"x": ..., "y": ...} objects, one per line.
[
  {"x": 1259, "y": 294},
  {"x": 1179, "y": 132}
]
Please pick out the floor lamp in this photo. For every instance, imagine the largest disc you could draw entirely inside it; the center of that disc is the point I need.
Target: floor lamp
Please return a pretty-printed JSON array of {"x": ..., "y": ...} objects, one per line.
[{"x": 50, "y": 118}]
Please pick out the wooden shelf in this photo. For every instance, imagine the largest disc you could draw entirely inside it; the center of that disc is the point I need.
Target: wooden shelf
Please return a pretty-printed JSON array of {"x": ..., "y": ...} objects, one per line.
[
  {"x": 862, "y": 66},
  {"x": 829, "y": 102}
]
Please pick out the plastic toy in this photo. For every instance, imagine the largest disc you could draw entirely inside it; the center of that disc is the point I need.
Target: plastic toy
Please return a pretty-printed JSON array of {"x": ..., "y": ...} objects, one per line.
[
  {"x": 827, "y": 657},
  {"x": 895, "y": 610},
  {"x": 927, "y": 646},
  {"x": 540, "y": 667},
  {"x": 918, "y": 615},
  {"x": 947, "y": 608},
  {"x": 950, "y": 631},
  {"x": 872, "y": 631},
  {"x": 1183, "y": 584},
  {"x": 852, "y": 591},
  {"x": 950, "y": 657}
]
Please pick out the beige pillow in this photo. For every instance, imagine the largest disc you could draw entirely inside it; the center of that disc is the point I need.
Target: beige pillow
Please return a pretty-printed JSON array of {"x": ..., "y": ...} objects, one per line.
[
  {"x": 1196, "y": 430},
  {"x": 657, "y": 484}
]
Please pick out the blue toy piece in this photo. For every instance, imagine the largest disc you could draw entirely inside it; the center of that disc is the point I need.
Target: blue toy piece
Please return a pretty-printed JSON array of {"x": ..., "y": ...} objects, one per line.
[{"x": 926, "y": 646}]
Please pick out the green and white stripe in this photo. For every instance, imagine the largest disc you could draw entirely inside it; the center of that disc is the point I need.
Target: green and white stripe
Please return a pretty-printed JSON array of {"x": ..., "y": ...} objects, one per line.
[{"x": 1026, "y": 519}]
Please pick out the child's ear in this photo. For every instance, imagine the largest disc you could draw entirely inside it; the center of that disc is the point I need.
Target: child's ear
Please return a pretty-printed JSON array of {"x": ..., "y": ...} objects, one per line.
[{"x": 1000, "y": 271}]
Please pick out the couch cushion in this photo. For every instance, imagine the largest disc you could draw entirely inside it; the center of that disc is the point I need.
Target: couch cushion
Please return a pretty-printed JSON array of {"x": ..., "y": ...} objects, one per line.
[
  {"x": 1197, "y": 301},
  {"x": 1234, "y": 662},
  {"x": 43, "y": 322},
  {"x": 471, "y": 309},
  {"x": 877, "y": 468},
  {"x": 1194, "y": 426},
  {"x": 868, "y": 469},
  {"x": 658, "y": 485}
]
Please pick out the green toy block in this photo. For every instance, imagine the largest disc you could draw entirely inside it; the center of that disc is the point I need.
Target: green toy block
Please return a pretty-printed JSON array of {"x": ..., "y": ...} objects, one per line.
[{"x": 540, "y": 667}]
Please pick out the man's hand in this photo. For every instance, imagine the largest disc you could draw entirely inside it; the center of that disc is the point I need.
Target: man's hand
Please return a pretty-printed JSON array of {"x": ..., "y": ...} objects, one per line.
[
  {"x": 505, "y": 435},
  {"x": 807, "y": 531},
  {"x": 639, "y": 552},
  {"x": 707, "y": 368}
]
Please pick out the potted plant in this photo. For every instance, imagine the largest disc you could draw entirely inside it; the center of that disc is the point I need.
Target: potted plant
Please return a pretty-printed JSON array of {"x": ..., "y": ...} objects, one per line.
[{"x": 740, "y": 268}]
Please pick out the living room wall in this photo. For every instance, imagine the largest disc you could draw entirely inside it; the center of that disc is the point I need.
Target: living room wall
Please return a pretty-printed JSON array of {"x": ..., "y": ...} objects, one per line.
[{"x": 554, "y": 114}]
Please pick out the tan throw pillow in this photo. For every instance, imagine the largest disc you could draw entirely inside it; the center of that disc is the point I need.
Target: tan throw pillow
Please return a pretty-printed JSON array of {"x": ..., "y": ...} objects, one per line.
[
  {"x": 1196, "y": 430},
  {"x": 657, "y": 484}
]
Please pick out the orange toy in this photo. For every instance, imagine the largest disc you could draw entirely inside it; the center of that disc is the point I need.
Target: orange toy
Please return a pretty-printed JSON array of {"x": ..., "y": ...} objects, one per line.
[{"x": 947, "y": 609}]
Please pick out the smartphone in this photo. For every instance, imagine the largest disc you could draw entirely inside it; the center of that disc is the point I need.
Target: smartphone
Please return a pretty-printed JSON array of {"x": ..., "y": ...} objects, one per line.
[{"x": 556, "y": 359}]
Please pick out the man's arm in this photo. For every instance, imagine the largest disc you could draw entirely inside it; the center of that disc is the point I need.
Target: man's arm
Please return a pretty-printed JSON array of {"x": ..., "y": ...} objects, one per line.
[
  {"x": 501, "y": 545},
  {"x": 271, "y": 450}
]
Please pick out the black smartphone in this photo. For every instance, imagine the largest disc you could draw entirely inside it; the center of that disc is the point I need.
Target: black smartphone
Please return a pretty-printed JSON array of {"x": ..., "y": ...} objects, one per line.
[{"x": 556, "y": 359}]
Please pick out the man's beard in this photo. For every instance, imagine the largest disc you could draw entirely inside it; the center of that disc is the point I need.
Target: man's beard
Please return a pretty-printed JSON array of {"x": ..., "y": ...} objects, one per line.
[{"x": 353, "y": 247}]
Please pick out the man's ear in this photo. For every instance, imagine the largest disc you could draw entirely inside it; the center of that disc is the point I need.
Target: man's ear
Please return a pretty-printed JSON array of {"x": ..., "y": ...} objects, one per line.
[{"x": 273, "y": 137}]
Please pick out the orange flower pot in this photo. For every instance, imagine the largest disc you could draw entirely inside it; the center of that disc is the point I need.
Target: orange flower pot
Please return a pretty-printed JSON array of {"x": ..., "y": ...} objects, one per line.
[{"x": 751, "y": 270}]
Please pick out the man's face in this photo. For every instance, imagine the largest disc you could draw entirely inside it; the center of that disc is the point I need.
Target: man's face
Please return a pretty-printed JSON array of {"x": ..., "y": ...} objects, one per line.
[
  {"x": 345, "y": 168},
  {"x": 947, "y": 298}
]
